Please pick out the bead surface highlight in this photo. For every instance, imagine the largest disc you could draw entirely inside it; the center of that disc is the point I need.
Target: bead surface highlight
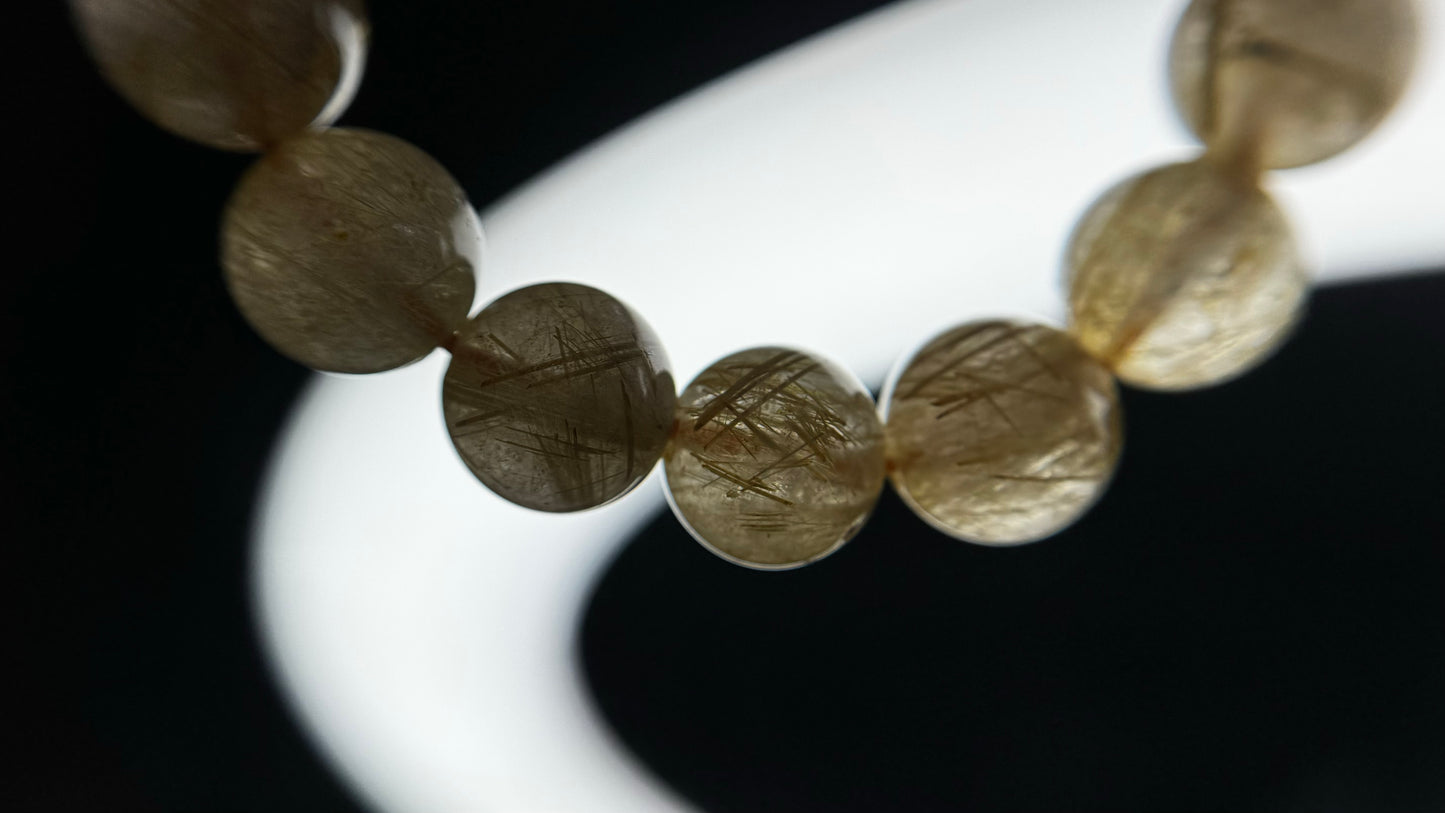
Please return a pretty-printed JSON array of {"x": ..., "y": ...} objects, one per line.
[
  {"x": 558, "y": 397},
  {"x": 351, "y": 251},
  {"x": 1001, "y": 432},
  {"x": 777, "y": 458},
  {"x": 1282, "y": 83},
  {"x": 227, "y": 73},
  {"x": 1183, "y": 277}
]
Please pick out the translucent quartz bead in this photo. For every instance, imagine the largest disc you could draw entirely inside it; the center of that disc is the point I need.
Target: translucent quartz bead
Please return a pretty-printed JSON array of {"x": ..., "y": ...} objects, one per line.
[
  {"x": 777, "y": 458},
  {"x": 1001, "y": 432},
  {"x": 233, "y": 74},
  {"x": 558, "y": 397},
  {"x": 351, "y": 251},
  {"x": 1183, "y": 277},
  {"x": 1282, "y": 83}
]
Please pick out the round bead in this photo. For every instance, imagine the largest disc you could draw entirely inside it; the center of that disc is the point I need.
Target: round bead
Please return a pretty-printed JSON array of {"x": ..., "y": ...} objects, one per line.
[
  {"x": 777, "y": 458},
  {"x": 1283, "y": 83},
  {"x": 351, "y": 251},
  {"x": 558, "y": 397},
  {"x": 1001, "y": 432},
  {"x": 1183, "y": 277},
  {"x": 227, "y": 73}
]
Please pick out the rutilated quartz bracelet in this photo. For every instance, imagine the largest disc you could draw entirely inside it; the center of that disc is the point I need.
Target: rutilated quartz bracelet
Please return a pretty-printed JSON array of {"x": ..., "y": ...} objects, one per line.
[{"x": 353, "y": 251}]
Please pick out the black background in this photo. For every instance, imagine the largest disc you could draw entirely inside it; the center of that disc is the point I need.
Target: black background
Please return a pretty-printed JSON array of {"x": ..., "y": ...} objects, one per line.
[{"x": 1253, "y": 619}]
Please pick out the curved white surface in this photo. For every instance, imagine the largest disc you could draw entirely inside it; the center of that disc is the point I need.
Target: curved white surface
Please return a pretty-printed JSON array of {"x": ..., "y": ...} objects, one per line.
[{"x": 892, "y": 177}]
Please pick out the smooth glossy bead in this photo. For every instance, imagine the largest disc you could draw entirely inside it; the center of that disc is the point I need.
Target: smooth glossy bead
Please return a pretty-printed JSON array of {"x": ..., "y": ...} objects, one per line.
[
  {"x": 351, "y": 251},
  {"x": 1001, "y": 432},
  {"x": 234, "y": 74},
  {"x": 1282, "y": 83},
  {"x": 558, "y": 397},
  {"x": 777, "y": 458},
  {"x": 1183, "y": 277}
]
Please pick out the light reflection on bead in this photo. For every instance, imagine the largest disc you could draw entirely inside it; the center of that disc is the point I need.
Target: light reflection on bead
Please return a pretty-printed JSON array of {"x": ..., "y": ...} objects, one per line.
[
  {"x": 1001, "y": 432},
  {"x": 777, "y": 458},
  {"x": 233, "y": 74},
  {"x": 351, "y": 251},
  {"x": 558, "y": 397},
  {"x": 1283, "y": 83},
  {"x": 1183, "y": 277}
]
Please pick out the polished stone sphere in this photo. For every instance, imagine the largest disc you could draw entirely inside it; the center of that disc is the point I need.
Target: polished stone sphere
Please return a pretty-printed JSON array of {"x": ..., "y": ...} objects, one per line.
[
  {"x": 558, "y": 397},
  {"x": 777, "y": 458},
  {"x": 233, "y": 74},
  {"x": 1183, "y": 277},
  {"x": 1271, "y": 84},
  {"x": 351, "y": 251},
  {"x": 1001, "y": 432}
]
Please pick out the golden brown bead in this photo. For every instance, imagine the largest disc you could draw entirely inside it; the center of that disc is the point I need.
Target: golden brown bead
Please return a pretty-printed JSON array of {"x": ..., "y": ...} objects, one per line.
[
  {"x": 558, "y": 397},
  {"x": 1001, "y": 432},
  {"x": 1183, "y": 277},
  {"x": 777, "y": 458},
  {"x": 232, "y": 74},
  {"x": 351, "y": 251},
  {"x": 1283, "y": 83}
]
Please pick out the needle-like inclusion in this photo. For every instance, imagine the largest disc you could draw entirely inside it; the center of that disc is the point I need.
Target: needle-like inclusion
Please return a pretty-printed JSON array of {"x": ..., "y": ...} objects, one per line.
[
  {"x": 1270, "y": 84},
  {"x": 777, "y": 459},
  {"x": 351, "y": 251},
  {"x": 1001, "y": 432},
  {"x": 233, "y": 74},
  {"x": 1183, "y": 277},
  {"x": 558, "y": 397}
]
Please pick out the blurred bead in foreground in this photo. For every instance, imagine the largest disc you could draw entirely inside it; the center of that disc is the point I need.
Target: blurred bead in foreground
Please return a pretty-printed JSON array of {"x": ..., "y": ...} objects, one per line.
[
  {"x": 1272, "y": 84},
  {"x": 351, "y": 251},
  {"x": 558, "y": 397},
  {"x": 233, "y": 74},
  {"x": 1183, "y": 277},
  {"x": 1001, "y": 432},
  {"x": 777, "y": 458}
]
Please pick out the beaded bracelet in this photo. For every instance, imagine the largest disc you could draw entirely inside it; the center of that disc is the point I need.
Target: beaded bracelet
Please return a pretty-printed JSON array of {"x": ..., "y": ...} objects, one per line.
[{"x": 352, "y": 251}]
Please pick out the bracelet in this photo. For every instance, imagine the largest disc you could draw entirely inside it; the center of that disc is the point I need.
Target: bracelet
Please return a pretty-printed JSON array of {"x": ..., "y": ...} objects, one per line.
[{"x": 354, "y": 252}]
